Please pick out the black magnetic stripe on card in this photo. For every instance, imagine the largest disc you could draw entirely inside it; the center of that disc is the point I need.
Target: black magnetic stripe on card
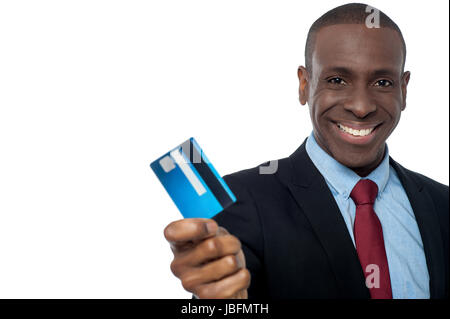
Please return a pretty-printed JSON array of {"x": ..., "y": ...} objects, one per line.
[{"x": 207, "y": 174}]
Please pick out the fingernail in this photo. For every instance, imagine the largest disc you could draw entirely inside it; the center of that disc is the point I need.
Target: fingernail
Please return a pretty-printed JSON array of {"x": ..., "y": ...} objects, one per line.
[
  {"x": 211, "y": 227},
  {"x": 239, "y": 262}
]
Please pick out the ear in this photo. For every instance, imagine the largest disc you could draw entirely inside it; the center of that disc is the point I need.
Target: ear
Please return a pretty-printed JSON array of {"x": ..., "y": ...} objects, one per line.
[
  {"x": 303, "y": 78},
  {"x": 405, "y": 81}
]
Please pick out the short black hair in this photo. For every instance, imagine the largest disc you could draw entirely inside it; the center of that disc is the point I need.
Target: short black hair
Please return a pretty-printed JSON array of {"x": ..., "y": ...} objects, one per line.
[{"x": 351, "y": 13}]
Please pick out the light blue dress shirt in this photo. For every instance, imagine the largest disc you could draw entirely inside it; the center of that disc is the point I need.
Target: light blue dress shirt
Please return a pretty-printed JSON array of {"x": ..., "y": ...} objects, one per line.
[{"x": 402, "y": 240}]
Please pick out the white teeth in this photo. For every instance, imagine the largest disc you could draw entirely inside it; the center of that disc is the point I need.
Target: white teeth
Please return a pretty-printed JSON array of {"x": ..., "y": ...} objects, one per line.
[{"x": 355, "y": 132}]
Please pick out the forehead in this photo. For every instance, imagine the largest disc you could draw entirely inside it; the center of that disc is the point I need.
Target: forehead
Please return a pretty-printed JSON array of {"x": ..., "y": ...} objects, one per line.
[{"x": 357, "y": 47}]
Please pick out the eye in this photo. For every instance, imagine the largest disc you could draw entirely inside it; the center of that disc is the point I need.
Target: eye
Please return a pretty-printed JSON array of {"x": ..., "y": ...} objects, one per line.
[
  {"x": 337, "y": 80},
  {"x": 384, "y": 83}
]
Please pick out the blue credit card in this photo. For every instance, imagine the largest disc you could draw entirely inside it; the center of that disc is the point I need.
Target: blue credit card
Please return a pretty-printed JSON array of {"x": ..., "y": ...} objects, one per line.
[{"x": 192, "y": 182}]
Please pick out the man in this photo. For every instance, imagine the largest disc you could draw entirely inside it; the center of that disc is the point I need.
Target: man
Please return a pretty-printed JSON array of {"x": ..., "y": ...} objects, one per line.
[{"x": 339, "y": 218}]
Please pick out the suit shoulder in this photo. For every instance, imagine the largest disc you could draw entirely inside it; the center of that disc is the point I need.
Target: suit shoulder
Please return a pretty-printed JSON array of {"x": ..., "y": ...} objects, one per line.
[
  {"x": 262, "y": 176},
  {"x": 435, "y": 187},
  {"x": 438, "y": 191}
]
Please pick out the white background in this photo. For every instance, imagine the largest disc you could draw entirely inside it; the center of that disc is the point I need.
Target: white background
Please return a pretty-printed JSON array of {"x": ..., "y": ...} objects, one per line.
[{"x": 92, "y": 91}]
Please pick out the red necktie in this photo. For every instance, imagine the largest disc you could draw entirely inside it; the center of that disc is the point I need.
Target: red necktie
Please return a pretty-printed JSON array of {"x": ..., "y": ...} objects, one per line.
[{"x": 369, "y": 240}]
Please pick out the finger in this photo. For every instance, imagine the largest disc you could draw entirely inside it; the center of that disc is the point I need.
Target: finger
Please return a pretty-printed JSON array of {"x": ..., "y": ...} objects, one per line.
[
  {"x": 222, "y": 231},
  {"x": 208, "y": 250},
  {"x": 241, "y": 258},
  {"x": 190, "y": 229},
  {"x": 211, "y": 272},
  {"x": 242, "y": 294},
  {"x": 227, "y": 287}
]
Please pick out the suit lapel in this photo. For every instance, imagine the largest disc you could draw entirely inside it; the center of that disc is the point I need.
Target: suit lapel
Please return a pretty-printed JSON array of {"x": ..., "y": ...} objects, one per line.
[
  {"x": 427, "y": 221},
  {"x": 312, "y": 194}
]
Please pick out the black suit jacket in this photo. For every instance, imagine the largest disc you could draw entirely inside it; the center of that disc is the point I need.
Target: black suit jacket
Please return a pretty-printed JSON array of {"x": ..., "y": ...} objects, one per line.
[{"x": 296, "y": 242}]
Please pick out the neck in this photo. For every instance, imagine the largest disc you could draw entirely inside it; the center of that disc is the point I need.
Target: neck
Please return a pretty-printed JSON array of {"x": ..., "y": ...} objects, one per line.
[
  {"x": 366, "y": 170},
  {"x": 363, "y": 172}
]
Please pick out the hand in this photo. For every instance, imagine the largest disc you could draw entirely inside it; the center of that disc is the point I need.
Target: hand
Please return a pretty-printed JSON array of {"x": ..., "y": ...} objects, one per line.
[{"x": 207, "y": 259}]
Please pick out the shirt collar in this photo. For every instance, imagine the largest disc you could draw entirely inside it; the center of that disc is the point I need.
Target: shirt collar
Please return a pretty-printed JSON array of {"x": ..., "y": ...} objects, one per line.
[{"x": 340, "y": 177}]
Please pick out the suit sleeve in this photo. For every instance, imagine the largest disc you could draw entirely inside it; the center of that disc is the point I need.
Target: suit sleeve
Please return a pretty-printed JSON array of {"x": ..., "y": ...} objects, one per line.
[
  {"x": 440, "y": 195},
  {"x": 242, "y": 220}
]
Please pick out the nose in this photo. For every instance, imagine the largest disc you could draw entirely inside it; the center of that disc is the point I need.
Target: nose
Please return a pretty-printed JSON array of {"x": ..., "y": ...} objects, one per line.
[{"x": 360, "y": 103}]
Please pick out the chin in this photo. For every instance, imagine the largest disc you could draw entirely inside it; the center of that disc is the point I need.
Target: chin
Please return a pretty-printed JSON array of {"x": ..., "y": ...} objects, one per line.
[{"x": 356, "y": 161}]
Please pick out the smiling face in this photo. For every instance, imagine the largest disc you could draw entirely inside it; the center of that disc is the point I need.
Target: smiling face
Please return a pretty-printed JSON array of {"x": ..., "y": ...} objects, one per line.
[{"x": 356, "y": 91}]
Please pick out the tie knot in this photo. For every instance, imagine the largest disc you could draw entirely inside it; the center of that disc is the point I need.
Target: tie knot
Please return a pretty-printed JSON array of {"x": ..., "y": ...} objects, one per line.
[{"x": 364, "y": 192}]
